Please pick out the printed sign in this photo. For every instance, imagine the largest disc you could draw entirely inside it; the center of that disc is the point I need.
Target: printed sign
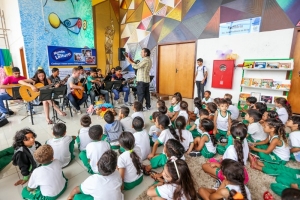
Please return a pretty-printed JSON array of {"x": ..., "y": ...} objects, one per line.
[
  {"x": 66, "y": 56},
  {"x": 251, "y": 25}
]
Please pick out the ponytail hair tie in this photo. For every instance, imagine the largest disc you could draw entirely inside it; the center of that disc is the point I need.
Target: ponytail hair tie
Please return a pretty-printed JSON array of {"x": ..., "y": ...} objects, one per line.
[
  {"x": 287, "y": 103},
  {"x": 210, "y": 132},
  {"x": 173, "y": 159},
  {"x": 238, "y": 195},
  {"x": 237, "y": 138},
  {"x": 130, "y": 151}
]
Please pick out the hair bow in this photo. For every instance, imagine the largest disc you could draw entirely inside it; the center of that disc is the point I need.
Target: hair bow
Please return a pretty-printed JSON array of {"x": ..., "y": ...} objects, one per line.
[
  {"x": 173, "y": 158},
  {"x": 130, "y": 151},
  {"x": 210, "y": 132}
]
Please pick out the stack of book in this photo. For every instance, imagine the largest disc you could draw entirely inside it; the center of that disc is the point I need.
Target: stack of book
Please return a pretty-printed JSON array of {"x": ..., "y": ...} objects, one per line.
[
  {"x": 266, "y": 83},
  {"x": 266, "y": 65}
]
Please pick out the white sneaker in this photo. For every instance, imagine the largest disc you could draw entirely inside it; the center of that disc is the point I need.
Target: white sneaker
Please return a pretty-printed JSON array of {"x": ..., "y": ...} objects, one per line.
[
  {"x": 116, "y": 102},
  {"x": 127, "y": 104},
  {"x": 78, "y": 112}
]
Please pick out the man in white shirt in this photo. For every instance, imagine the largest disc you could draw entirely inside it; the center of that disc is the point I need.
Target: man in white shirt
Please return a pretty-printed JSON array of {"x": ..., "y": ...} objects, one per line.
[{"x": 201, "y": 76}]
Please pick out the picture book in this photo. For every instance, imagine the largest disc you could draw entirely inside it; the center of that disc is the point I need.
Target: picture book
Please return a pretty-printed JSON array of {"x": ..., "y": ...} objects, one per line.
[
  {"x": 248, "y": 64},
  {"x": 284, "y": 65},
  {"x": 266, "y": 83},
  {"x": 285, "y": 84},
  {"x": 276, "y": 84},
  {"x": 266, "y": 99},
  {"x": 246, "y": 81},
  {"x": 273, "y": 65},
  {"x": 275, "y": 97},
  {"x": 256, "y": 95},
  {"x": 244, "y": 96},
  {"x": 260, "y": 65},
  {"x": 256, "y": 82}
]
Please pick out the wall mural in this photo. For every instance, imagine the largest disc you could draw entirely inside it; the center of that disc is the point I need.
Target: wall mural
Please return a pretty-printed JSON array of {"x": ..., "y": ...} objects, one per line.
[
  {"x": 148, "y": 23},
  {"x": 56, "y": 23}
]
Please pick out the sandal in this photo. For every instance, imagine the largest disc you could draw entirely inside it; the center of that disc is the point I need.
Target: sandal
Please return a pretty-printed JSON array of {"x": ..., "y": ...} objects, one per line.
[
  {"x": 268, "y": 196},
  {"x": 63, "y": 114},
  {"x": 49, "y": 121}
]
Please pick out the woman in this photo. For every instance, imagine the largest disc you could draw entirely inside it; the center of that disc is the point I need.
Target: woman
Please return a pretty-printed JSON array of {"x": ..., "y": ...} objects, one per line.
[{"x": 40, "y": 77}]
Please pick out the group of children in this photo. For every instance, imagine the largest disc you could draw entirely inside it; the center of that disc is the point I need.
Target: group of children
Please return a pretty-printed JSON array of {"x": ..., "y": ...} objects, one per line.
[{"x": 260, "y": 138}]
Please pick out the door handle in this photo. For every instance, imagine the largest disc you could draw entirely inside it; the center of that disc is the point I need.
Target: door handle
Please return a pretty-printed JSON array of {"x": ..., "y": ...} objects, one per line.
[{"x": 176, "y": 70}]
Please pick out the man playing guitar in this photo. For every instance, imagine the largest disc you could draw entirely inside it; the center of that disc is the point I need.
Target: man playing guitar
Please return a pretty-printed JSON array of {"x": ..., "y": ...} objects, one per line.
[
  {"x": 54, "y": 78},
  {"x": 71, "y": 84},
  {"x": 95, "y": 87},
  {"x": 7, "y": 84},
  {"x": 119, "y": 77}
]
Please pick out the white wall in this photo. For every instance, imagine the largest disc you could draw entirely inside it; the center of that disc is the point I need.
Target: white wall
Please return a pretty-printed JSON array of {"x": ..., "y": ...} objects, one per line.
[
  {"x": 13, "y": 22},
  {"x": 263, "y": 45}
]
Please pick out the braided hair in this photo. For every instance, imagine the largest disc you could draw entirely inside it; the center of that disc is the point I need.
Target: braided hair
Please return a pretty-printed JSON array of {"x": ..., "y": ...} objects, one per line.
[
  {"x": 180, "y": 124},
  {"x": 279, "y": 128},
  {"x": 239, "y": 133}
]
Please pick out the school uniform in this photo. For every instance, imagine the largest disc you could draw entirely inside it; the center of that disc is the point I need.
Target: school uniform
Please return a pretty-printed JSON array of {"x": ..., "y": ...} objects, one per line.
[
  {"x": 222, "y": 124},
  {"x": 138, "y": 114},
  {"x": 234, "y": 112},
  {"x": 208, "y": 100},
  {"x": 184, "y": 114},
  {"x": 48, "y": 181},
  {"x": 98, "y": 187},
  {"x": 196, "y": 111},
  {"x": 131, "y": 178},
  {"x": 142, "y": 141},
  {"x": 176, "y": 107},
  {"x": 256, "y": 133},
  {"x": 166, "y": 191},
  {"x": 282, "y": 114},
  {"x": 83, "y": 138},
  {"x": 208, "y": 150},
  {"x": 187, "y": 138},
  {"x": 237, "y": 188},
  {"x": 63, "y": 149},
  {"x": 197, "y": 131},
  {"x": 127, "y": 124},
  {"x": 294, "y": 142},
  {"x": 153, "y": 134}
]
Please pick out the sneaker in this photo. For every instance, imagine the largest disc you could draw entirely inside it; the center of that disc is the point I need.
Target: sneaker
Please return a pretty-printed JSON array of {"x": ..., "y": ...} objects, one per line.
[
  {"x": 10, "y": 112},
  {"x": 223, "y": 140},
  {"x": 127, "y": 104},
  {"x": 217, "y": 184},
  {"x": 78, "y": 112},
  {"x": 146, "y": 109},
  {"x": 195, "y": 154}
]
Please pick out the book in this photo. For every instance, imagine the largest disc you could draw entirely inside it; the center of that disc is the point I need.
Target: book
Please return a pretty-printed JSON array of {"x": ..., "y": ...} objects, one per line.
[
  {"x": 273, "y": 65},
  {"x": 284, "y": 65},
  {"x": 256, "y": 95},
  {"x": 246, "y": 81},
  {"x": 260, "y": 65},
  {"x": 276, "y": 84},
  {"x": 244, "y": 96},
  {"x": 256, "y": 82},
  {"x": 266, "y": 99},
  {"x": 275, "y": 97},
  {"x": 266, "y": 83},
  {"x": 285, "y": 84},
  {"x": 248, "y": 64}
]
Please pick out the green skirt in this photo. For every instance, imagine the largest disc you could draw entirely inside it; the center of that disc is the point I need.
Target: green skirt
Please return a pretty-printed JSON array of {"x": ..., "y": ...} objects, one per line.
[
  {"x": 6, "y": 156},
  {"x": 158, "y": 161},
  {"x": 221, "y": 133},
  {"x": 129, "y": 186},
  {"x": 270, "y": 158}
]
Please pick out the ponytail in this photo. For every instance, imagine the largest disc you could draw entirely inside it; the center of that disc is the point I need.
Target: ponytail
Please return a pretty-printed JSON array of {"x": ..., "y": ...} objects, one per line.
[
  {"x": 213, "y": 139},
  {"x": 180, "y": 124},
  {"x": 239, "y": 133},
  {"x": 136, "y": 162},
  {"x": 279, "y": 128},
  {"x": 173, "y": 132},
  {"x": 238, "y": 146},
  {"x": 284, "y": 103}
]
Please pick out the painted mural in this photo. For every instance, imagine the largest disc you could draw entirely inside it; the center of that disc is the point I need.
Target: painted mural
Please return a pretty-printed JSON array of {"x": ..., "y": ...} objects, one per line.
[{"x": 56, "y": 23}]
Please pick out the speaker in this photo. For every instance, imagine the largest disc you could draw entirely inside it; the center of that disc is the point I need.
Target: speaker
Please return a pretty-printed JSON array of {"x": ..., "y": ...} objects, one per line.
[{"x": 121, "y": 55}]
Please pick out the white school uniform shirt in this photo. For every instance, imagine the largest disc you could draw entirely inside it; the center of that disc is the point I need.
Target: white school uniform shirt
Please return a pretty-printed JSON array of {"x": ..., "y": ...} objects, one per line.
[
  {"x": 282, "y": 114},
  {"x": 230, "y": 152},
  {"x": 234, "y": 112},
  {"x": 197, "y": 123},
  {"x": 283, "y": 151},
  {"x": 127, "y": 124},
  {"x": 125, "y": 161},
  {"x": 222, "y": 122},
  {"x": 49, "y": 178},
  {"x": 84, "y": 138},
  {"x": 164, "y": 136},
  {"x": 176, "y": 108},
  {"x": 199, "y": 70},
  {"x": 209, "y": 145},
  {"x": 294, "y": 142},
  {"x": 152, "y": 129},
  {"x": 207, "y": 100},
  {"x": 94, "y": 151},
  {"x": 138, "y": 114},
  {"x": 188, "y": 138},
  {"x": 103, "y": 187},
  {"x": 196, "y": 111},
  {"x": 142, "y": 140},
  {"x": 237, "y": 188},
  {"x": 257, "y": 132},
  {"x": 184, "y": 114},
  {"x": 166, "y": 191},
  {"x": 61, "y": 149}
]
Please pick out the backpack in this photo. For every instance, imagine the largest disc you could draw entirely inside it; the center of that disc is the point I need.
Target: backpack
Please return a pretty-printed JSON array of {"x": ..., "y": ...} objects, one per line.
[{"x": 205, "y": 81}]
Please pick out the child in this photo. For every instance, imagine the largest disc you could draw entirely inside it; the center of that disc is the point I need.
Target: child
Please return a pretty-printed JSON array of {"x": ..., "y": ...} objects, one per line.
[
  {"x": 206, "y": 98},
  {"x": 159, "y": 103},
  {"x": 232, "y": 187},
  {"x": 250, "y": 101},
  {"x": 255, "y": 130},
  {"x": 112, "y": 130},
  {"x": 46, "y": 181},
  {"x": 283, "y": 108},
  {"x": 138, "y": 110},
  {"x": 25, "y": 146},
  {"x": 154, "y": 131},
  {"x": 163, "y": 110},
  {"x": 228, "y": 96},
  {"x": 221, "y": 148},
  {"x": 183, "y": 111},
  {"x": 206, "y": 144},
  {"x": 239, "y": 151},
  {"x": 62, "y": 144},
  {"x": 126, "y": 121},
  {"x": 175, "y": 107},
  {"x": 294, "y": 137},
  {"x": 198, "y": 105},
  {"x": 211, "y": 107},
  {"x": 278, "y": 150},
  {"x": 195, "y": 129},
  {"x": 261, "y": 107},
  {"x": 167, "y": 133},
  {"x": 141, "y": 137},
  {"x": 94, "y": 150},
  {"x": 83, "y": 137},
  {"x": 222, "y": 120},
  {"x": 129, "y": 162},
  {"x": 185, "y": 136},
  {"x": 217, "y": 101},
  {"x": 105, "y": 185},
  {"x": 290, "y": 194},
  {"x": 179, "y": 183},
  {"x": 234, "y": 111}
]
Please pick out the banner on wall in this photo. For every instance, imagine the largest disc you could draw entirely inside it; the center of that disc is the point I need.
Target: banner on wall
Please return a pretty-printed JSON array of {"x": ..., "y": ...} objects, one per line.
[
  {"x": 244, "y": 26},
  {"x": 69, "y": 56}
]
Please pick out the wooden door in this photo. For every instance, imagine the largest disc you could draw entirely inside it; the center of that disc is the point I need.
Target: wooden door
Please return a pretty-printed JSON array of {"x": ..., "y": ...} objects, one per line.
[
  {"x": 22, "y": 56},
  {"x": 294, "y": 93},
  {"x": 176, "y": 66}
]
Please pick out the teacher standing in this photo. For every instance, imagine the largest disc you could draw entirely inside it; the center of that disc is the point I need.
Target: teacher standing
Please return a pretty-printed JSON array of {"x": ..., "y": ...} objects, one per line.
[{"x": 143, "y": 77}]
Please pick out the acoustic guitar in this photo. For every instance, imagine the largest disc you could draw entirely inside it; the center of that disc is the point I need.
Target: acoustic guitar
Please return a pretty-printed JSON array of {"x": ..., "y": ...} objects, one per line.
[
  {"x": 78, "y": 93},
  {"x": 9, "y": 90},
  {"x": 28, "y": 94}
]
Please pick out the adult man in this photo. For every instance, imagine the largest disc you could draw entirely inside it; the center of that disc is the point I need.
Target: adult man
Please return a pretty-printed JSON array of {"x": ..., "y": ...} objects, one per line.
[
  {"x": 117, "y": 76},
  {"x": 92, "y": 79},
  {"x": 54, "y": 78},
  {"x": 143, "y": 77},
  {"x": 82, "y": 74},
  {"x": 71, "y": 85},
  {"x": 200, "y": 77},
  {"x": 6, "y": 84}
]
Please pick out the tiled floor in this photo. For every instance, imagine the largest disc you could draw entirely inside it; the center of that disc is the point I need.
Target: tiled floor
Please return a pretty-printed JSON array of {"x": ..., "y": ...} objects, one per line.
[{"x": 75, "y": 172}]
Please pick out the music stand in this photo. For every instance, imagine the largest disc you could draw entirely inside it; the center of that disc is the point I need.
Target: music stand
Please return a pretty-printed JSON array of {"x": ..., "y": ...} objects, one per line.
[
  {"x": 116, "y": 84},
  {"x": 108, "y": 86},
  {"x": 58, "y": 93}
]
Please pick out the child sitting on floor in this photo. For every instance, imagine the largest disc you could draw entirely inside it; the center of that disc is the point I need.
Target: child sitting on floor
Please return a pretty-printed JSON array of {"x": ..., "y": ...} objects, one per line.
[
  {"x": 175, "y": 107},
  {"x": 232, "y": 187},
  {"x": 94, "y": 150},
  {"x": 250, "y": 101},
  {"x": 112, "y": 130},
  {"x": 261, "y": 107},
  {"x": 222, "y": 120},
  {"x": 83, "y": 137},
  {"x": 138, "y": 110},
  {"x": 211, "y": 108},
  {"x": 105, "y": 185},
  {"x": 294, "y": 137},
  {"x": 129, "y": 162},
  {"x": 283, "y": 109},
  {"x": 125, "y": 119},
  {"x": 184, "y": 111},
  {"x": 206, "y": 99},
  {"x": 195, "y": 129},
  {"x": 198, "y": 105},
  {"x": 234, "y": 111},
  {"x": 25, "y": 146},
  {"x": 206, "y": 144},
  {"x": 228, "y": 96},
  {"x": 154, "y": 131},
  {"x": 221, "y": 148},
  {"x": 290, "y": 194},
  {"x": 46, "y": 181},
  {"x": 178, "y": 184},
  {"x": 159, "y": 103},
  {"x": 141, "y": 137},
  {"x": 255, "y": 129},
  {"x": 185, "y": 136}
]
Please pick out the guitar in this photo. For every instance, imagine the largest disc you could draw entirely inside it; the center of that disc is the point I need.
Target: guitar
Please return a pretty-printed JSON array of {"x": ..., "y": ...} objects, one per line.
[
  {"x": 78, "y": 93},
  {"x": 9, "y": 90}
]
